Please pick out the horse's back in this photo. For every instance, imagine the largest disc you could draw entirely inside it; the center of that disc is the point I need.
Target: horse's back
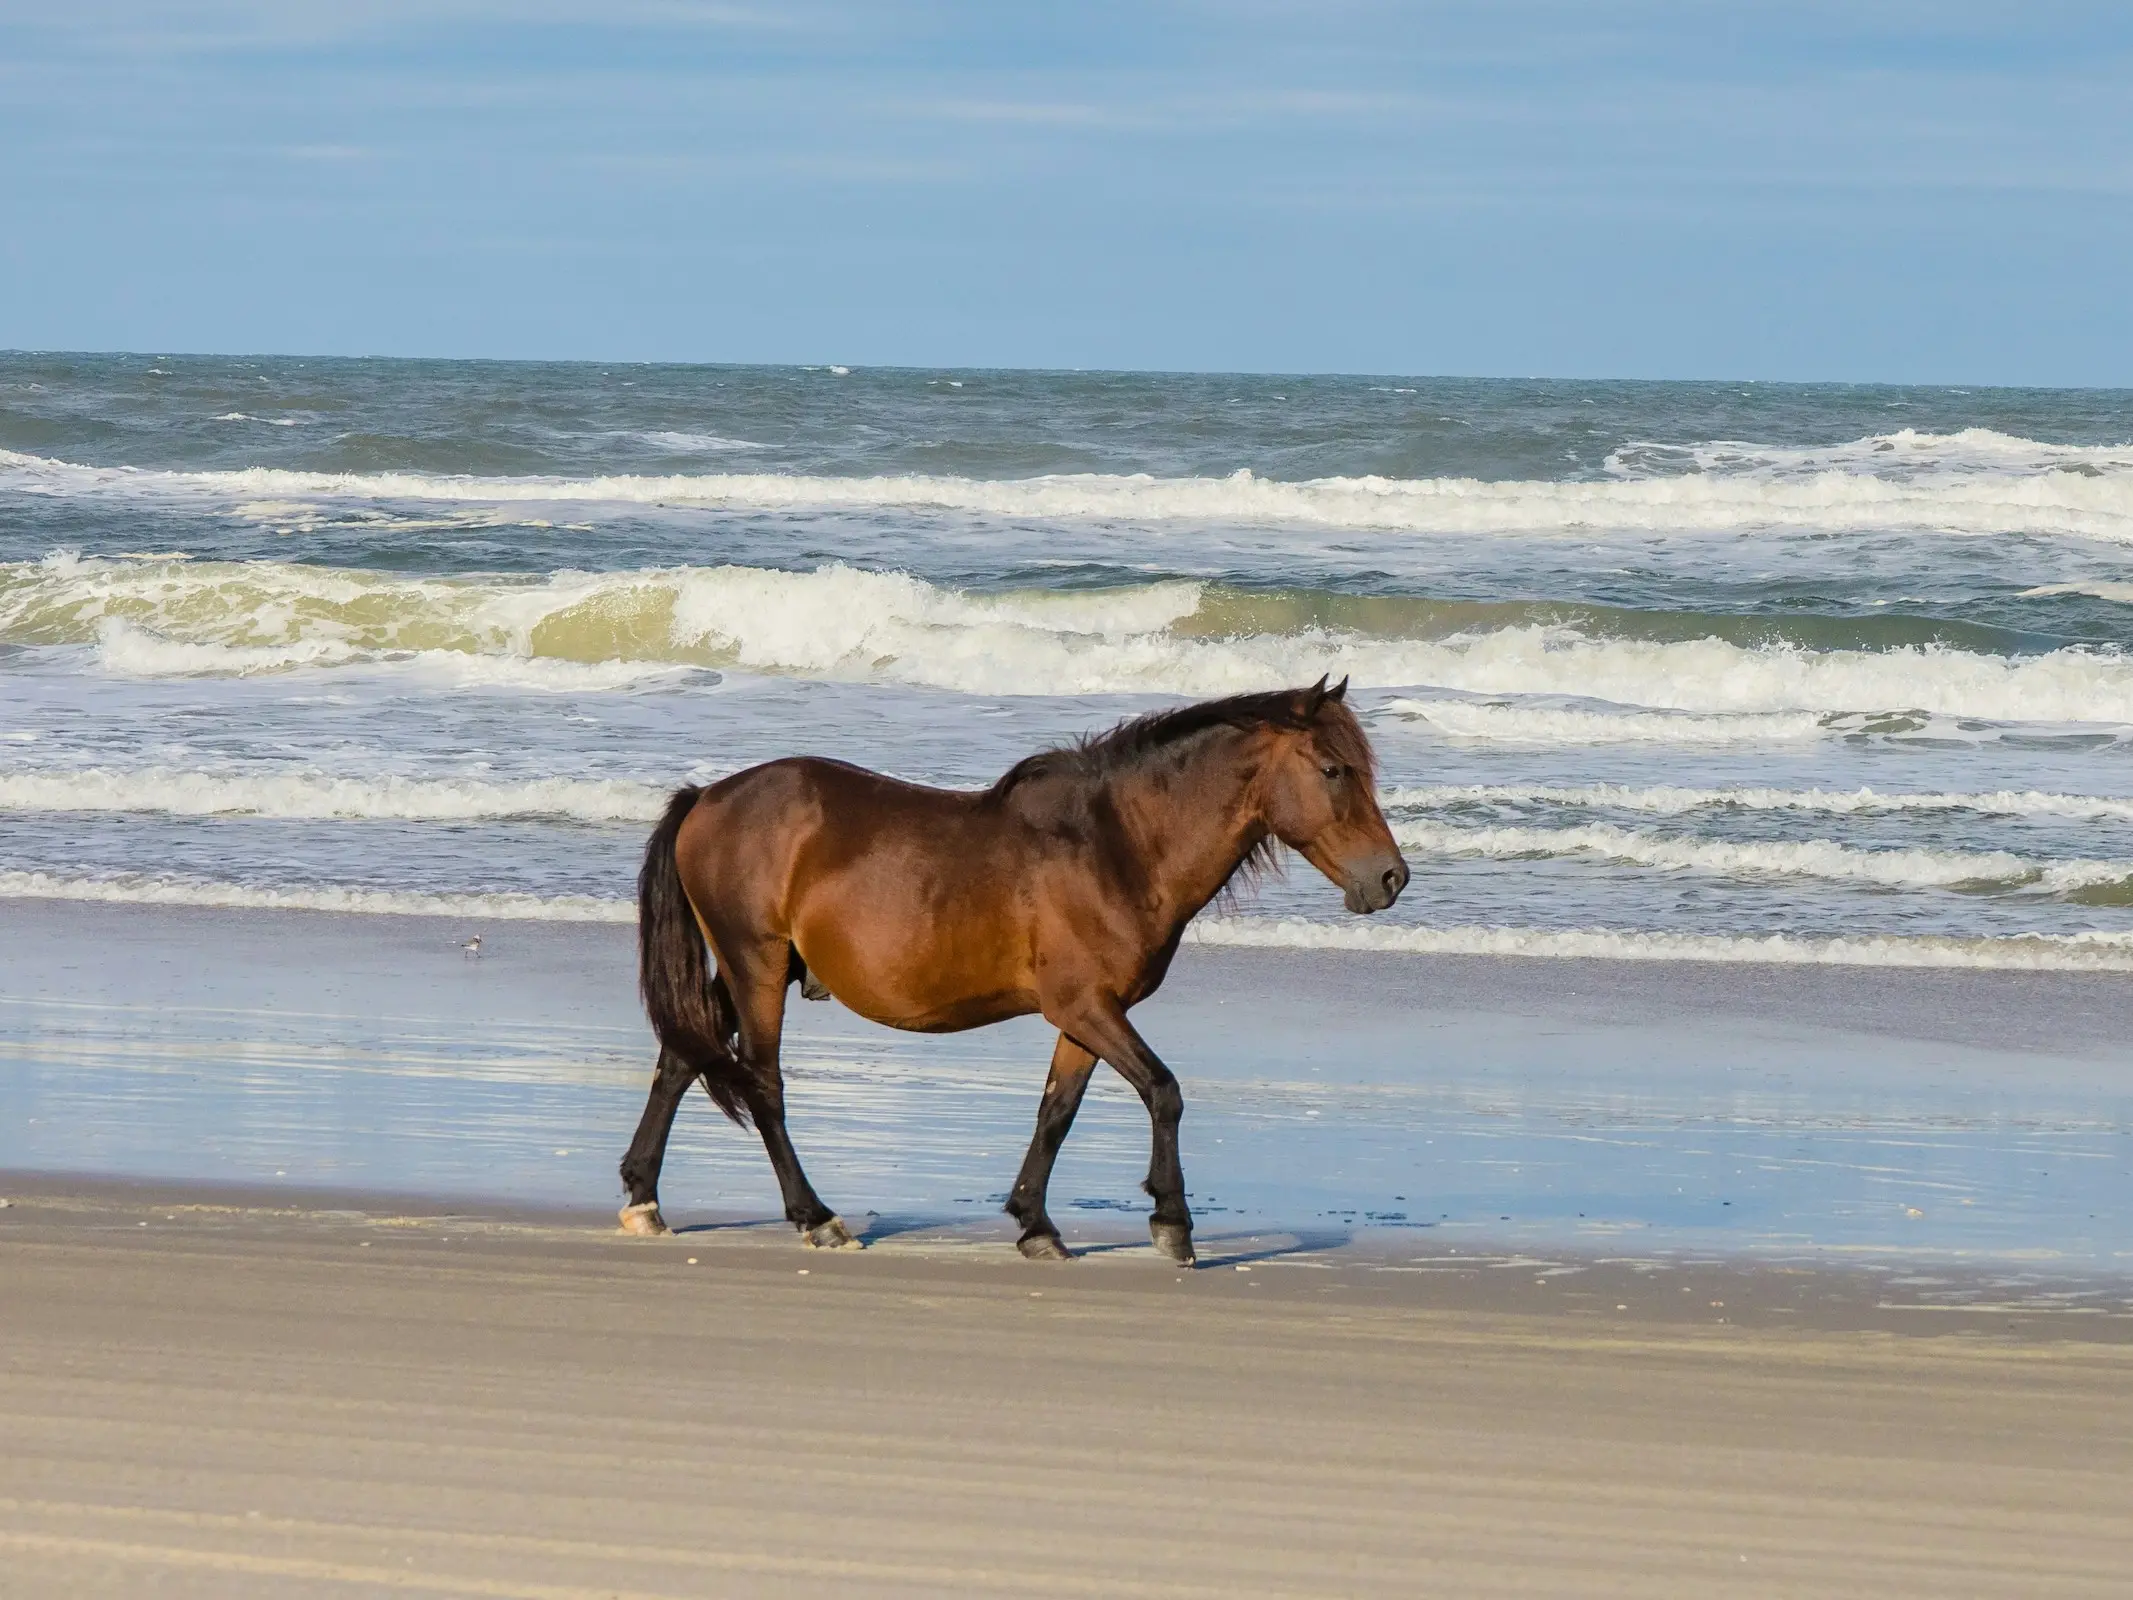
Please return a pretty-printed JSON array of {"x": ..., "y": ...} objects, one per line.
[{"x": 810, "y": 796}]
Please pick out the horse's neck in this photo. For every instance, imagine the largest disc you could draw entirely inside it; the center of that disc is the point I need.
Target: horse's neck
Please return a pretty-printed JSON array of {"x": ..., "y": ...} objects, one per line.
[{"x": 1196, "y": 833}]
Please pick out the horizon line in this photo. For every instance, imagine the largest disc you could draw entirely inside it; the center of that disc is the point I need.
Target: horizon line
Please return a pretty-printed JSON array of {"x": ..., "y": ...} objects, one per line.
[{"x": 851, "y": 366}]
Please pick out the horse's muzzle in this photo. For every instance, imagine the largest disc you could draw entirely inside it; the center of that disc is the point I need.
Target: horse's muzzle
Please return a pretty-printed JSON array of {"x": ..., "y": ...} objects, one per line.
[{"x": 1375, "y": 886}]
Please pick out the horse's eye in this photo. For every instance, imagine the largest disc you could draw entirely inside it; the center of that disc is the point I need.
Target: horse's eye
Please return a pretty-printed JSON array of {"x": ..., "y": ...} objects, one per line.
[{"x": 1329, "y": 773}]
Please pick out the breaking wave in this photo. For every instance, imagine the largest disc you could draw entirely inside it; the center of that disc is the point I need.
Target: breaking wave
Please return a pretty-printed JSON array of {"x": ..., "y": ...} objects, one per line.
[
  {"x": 1906, "y": 453},
  {"x": 1672, "y": 800},
  {"x": 1974, "y": 482},
  {"x": 612, "y": 630}
]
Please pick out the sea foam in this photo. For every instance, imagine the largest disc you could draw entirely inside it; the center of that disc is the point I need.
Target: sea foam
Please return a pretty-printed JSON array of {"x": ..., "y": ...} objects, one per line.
[
  {"x": 144, "y": 889},
  {"x": 1903, "y": 454},
  {"x": 1995, "y": 870},
  {"x": 1937, "y": 483},
  {"x": 2072, "y": 952},
  {"x": 154, "y": 618},
  {"x": 1680, "y": 800},
  {"x": 1512, "y": 723},
  {"x": 317, "y": 796},
  {"x": 2079, "y": 952}
]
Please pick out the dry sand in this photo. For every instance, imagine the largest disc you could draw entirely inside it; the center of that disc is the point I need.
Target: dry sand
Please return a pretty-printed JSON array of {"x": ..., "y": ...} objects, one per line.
[{"x": 220, "y": 1396}]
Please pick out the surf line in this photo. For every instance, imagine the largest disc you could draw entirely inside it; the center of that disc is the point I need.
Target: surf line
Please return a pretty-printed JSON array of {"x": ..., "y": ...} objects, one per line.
[{"x": 2074, "y": 952}]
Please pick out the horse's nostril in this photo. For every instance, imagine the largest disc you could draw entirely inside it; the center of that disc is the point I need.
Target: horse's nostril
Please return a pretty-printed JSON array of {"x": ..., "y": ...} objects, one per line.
[{"x": 1395, "y": 880}]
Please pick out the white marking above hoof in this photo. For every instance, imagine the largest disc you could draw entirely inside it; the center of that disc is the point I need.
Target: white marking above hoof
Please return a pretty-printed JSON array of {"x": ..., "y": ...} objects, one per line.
[
  {"x": 831, "y": 1235},
  {"x": 643, "y": 1220}
]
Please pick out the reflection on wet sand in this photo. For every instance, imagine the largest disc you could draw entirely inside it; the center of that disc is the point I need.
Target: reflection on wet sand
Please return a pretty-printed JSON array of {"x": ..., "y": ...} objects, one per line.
[{"x": 1910, "y": 1121}]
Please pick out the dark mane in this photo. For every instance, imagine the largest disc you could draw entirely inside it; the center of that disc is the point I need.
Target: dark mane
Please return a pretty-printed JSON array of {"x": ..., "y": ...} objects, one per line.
[
  {"x": 1142, "y": 742},
  {"x": 1139, "y": 742}
]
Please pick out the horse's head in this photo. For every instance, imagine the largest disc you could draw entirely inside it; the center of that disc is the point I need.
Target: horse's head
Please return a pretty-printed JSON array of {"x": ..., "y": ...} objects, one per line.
[{"x": 1320, "y": 796}]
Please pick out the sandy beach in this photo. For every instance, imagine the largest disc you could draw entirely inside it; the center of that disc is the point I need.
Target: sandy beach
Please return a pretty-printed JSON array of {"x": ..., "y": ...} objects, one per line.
[
  {"x": 1518, "y": 1277},
  {"x": 236, "y": 1394}
]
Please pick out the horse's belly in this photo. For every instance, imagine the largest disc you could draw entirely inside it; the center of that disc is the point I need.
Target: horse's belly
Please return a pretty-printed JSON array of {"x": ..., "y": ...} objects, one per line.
[
  {"x": 921, "y": 1001},
  {"x": 969, "y": 1011},
  {"x": 926, "y": 984}
]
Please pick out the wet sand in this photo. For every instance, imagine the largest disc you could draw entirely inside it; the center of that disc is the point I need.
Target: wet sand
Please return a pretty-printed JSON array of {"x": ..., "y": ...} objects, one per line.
[
  {"x": 1818, "y": 1115},
  {"x": 238, "y": 1393}
]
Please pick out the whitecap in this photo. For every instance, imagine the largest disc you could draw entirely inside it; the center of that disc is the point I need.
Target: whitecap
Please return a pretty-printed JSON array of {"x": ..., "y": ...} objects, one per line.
[
  {"x": 668, "y": 439},
  {"x": 2094, "y": 588},
  {"x": 1513, "y": 723},
  {"x": 1678, "y": 800},
  {"x": 1904, "y": 453},
  {"x": 2095, "y": 503}
]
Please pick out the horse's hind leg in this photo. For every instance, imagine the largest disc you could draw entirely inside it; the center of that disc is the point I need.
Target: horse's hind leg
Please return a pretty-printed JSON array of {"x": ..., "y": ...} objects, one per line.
[
  {"x": 648, "y": 1151},
  {"x": 759, "y": 996},
  {"x": 1063, "y": 1089},
  {"x": 820, "y": 1228}
]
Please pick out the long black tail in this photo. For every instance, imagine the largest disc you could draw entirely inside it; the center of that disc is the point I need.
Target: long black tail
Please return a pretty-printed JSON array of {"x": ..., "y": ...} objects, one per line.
[{"x": 685, "y": 1000}]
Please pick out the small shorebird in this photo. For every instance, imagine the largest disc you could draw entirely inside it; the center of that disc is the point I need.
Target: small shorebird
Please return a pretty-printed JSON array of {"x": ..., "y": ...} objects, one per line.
[{"x": 472, "y": 947}]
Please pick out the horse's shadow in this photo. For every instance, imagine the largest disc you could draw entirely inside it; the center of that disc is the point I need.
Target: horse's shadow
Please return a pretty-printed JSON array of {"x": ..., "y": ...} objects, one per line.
[
  {"x": 1239, "y": 1249},
  {"x": 879, "y": 1228},
  {"x": 1216, "y": 1250},
  {"x": 729, "y": 1225},
  {"x": 870, "y": 1229}
]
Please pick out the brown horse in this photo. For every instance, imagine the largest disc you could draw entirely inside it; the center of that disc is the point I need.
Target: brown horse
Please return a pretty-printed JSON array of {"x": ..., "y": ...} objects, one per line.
[{"x": 1062, "y": 889}]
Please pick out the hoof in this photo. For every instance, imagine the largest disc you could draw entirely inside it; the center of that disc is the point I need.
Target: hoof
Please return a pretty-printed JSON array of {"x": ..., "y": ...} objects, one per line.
[
  {"x": 1044, "y": 1247},
  {"x": 830, "y": 1235},
  {"x": 644, "y": 1220},
  {"x": 1172, "y": 1239}
]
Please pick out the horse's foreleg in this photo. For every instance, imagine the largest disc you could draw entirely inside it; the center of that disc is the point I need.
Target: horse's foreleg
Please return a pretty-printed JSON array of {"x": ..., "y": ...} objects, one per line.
[
  {"x": 1099, "y": 1023},
  {"x": 1063, "y": 1088},
  {"x": 648, "y": 1151},
  {"x": 761, "y": 1004}
]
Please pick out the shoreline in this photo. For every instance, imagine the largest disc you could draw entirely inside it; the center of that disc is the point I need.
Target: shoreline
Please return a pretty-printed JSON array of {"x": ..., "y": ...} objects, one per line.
[
  {"x": 2092, "y": 952},
  {"x": 1401, "y": 1269}
]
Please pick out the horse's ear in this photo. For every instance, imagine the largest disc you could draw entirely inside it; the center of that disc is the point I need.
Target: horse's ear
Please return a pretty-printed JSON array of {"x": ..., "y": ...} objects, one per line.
[
  {"x": 1339, "y": 691},
  {"x": 1315, "y": 696}
]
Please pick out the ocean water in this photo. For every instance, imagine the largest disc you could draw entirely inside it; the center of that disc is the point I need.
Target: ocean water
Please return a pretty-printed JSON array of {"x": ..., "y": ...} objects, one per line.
[{"x": 1656, "y": 671}]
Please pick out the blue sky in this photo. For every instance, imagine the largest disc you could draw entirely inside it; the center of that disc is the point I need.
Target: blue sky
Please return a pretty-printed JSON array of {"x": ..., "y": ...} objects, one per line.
[{"x": 1914, "y": 192}]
